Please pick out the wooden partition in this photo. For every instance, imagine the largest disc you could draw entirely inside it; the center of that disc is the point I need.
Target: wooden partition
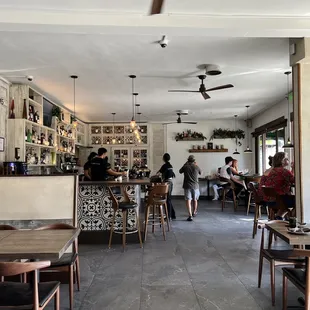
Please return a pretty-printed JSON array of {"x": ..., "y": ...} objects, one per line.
[{"x": 32, "y": 201}]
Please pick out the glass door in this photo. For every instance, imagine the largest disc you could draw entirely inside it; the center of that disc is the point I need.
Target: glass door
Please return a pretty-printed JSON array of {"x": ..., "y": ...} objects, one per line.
[
  {"x": 121, "y": 158},
  {"x": 140, "y": 157}
]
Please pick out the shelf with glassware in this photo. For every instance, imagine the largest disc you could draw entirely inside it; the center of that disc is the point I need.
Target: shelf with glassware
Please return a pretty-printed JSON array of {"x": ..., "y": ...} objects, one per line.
[
  {"x": 81, "y": 134},
  {"x": 127, "y": 157},
  {"x": 25, "y": 103},
  {"x": 119, "y": 134},
  {"x": 30, "y": 142}
]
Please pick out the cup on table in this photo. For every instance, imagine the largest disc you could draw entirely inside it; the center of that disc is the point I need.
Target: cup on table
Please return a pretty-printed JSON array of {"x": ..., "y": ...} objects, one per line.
[{"x": 292, "y": 222}]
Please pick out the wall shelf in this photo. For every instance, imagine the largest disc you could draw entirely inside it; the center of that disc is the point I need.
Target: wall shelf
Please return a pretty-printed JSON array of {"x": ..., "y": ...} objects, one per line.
[
  {"x": 209, "y": 151},
  {"x": 40, "y": 145},
  {"x": 191, "y": 139}
]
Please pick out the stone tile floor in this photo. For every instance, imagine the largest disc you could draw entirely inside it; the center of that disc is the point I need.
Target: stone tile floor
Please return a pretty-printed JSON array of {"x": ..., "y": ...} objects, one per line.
[{"x": 210, "y": 263}]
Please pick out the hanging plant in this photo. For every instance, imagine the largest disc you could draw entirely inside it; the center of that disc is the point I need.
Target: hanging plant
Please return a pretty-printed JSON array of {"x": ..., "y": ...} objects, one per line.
[
  {"x": 189, "y": 135},
  {"x": 56, "y": 111},
  {"x": 220, "y": 133}
]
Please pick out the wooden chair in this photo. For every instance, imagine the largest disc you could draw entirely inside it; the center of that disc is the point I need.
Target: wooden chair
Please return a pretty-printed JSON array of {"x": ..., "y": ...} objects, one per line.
[
  {"x": 253, "y": 181},
  {"x": 227, "y": 186},
  {"x": 258, "y": 204},
  {"x": 299, "y": 277},
  {"x": 23, "y": 295},
  {"x": 69, "y": 262},
  {"x": 157, "y": 201},
  {"x": 124, "y": 206},
  {"x": 275, "y": 258},
  {"x": 7, "y": 227},
  {"x": 272, "y": 194}
]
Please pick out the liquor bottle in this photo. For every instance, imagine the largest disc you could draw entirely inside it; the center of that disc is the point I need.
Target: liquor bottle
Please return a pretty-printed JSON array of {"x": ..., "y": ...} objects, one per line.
[
  {"x": 12, "y": 114},
  {"x": 36, "y": 117},
  {"x": 31, "y": 113},
  {"x": 29, "y": 136},
  {"x": 25, "y": 110},
  {"x": 26, "y": 135}
]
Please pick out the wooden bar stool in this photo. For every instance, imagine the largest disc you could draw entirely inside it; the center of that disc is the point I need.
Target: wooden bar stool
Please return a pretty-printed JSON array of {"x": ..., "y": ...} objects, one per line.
[
  {"x": 157, "y": 201},
  {"x": 124, "y": 206},
  {"x": 228, "y": 185}
]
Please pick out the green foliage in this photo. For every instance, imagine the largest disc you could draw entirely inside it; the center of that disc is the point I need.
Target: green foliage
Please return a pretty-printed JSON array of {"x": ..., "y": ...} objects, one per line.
[{"x": 190, "y": 135}]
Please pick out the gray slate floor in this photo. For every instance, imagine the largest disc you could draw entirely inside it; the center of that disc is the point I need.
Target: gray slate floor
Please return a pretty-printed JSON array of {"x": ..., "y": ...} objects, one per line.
[{"x": 210, "y": 263}]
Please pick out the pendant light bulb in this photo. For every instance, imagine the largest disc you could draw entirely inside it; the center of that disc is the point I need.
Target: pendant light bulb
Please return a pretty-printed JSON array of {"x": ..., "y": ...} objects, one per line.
[
  {"x": 132, "y": 123},
  {"x": 288, "y": 144},
  {"x": 247, "y": 150}
]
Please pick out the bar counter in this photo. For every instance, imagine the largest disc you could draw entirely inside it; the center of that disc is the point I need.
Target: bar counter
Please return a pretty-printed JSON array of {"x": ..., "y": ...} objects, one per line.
[{"x": 94, "y": 207}]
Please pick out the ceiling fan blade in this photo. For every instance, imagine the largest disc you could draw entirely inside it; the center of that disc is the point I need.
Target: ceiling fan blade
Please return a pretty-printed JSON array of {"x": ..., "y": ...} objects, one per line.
[
  {"x": 220, "y": 87},
  {"x": 170, "y": 123},
  {"x": 157, "y": 7},
  {"x": 205, "y": 95},
  {"x": 189, "y": 123},
  {"x": 183, "y": 91}
]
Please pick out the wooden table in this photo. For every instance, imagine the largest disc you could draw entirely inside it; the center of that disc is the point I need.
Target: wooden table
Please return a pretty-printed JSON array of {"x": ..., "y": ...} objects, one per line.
[
  {"x": 36, "y": 244},
  {"x": 280, "y": 230}
]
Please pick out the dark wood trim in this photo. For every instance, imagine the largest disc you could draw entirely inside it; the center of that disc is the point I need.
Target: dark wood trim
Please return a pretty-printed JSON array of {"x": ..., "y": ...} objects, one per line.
[
  {"x": 256, "y": 154},
  {"x": 276, "y": 124}
]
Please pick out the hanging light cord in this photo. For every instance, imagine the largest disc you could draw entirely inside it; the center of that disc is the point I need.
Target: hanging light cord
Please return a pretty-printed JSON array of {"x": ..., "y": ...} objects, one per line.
[{"x": 74, "y": 96}]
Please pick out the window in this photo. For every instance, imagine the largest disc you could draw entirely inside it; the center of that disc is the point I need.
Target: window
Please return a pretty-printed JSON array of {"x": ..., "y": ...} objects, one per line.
[{"x": 269, "y": 143}]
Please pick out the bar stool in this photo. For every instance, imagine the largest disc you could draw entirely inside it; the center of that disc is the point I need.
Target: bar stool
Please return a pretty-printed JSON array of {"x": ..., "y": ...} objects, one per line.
[
  {"x": 157, "y": 201},
  {"x": 124, "y": 206},
  {"x": 228, "y": 185}
]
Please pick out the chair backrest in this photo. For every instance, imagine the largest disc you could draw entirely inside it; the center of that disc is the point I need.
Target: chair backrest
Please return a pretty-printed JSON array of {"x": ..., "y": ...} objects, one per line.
[
  {"x": 253, "y": 179},
  {"x": 269, "y": 191},
  {"x": 253, "y": 189},
  {"x": 7, "y": 227},
  {"x": 113, "y": 199},
  {"x": 158, "y": 190},
  {"x": 8, "y": 269}
]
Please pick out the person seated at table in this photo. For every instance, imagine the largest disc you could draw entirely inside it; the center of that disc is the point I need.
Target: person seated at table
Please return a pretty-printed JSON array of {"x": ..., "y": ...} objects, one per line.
[
  {"x": 217, "y": 187},
  {"x": 87, "y": 176},
  {"x": 227, "y": 175},
  {"x": 234, "y": 167},
  {"x": 281, "y": 179}
]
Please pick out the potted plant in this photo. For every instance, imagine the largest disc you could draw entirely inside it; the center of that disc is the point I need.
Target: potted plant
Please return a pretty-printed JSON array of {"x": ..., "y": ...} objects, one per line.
[
  {"x": 220, "y": 133},
  {"x": 56, "y": 111}
]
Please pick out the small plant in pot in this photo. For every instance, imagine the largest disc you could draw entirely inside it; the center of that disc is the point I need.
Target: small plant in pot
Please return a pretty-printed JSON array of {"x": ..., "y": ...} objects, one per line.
[
  {"x": 220, "y": 133},
  {"x": 56, "y": 111}
]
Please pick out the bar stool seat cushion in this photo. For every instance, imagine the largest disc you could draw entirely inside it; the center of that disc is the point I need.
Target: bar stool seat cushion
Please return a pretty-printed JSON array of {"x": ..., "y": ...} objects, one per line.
[
  {"x": 125, "y": 205},
  {"x": 66, "y": 260},
  {"x": 159, "y": 200},
  {"x": 297, "y": 276},
  {"x": 21, "y": 294}
]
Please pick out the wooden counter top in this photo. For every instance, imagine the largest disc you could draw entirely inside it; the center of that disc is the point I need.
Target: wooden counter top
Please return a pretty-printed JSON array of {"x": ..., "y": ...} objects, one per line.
[{"x": 118, "y": 183}]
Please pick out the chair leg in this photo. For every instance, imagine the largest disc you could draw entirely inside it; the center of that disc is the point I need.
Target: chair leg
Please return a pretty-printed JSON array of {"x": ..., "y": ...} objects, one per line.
[
  {"x": 71, "y": 284},
  {"x": 260, "y": 270},
  {"x": 124, "y": 229},
  {"x": 138, "y": 227},
  {"x": 153, "y": 223},
  {"x": 270, "y": 240},
  {"x": 162, "y": 220},
  {"x": 284, "y": 293},
  {"x": 77, "y": 273},
  {"x": 57, "y": 300},
  {"x": 249, "y": 203},
  {"x": 235, "y": 200},
  {"x": 112, "y": 229},
  {"x": 147, "y": 214},
  {"x": 223, "y": 199},
  {"x": 272, "y": 282},
  {"x": 167, "y": 216}
]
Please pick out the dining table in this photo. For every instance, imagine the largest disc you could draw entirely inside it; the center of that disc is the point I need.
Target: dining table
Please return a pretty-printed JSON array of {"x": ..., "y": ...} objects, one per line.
[
  {"x": 279, "y": 229},
  {"x": 36, "y": 244}
]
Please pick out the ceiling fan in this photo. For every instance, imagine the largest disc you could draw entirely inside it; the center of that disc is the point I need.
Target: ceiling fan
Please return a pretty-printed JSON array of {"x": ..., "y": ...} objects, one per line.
[
  {"x": 157, "y": 7},
  {"x": 202, "y": 88},
  {"x": 179, "y": 120}
]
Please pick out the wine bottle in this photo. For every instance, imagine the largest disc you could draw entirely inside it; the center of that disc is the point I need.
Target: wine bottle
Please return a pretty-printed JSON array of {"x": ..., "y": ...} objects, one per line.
[{"x": 25, "y": 110}]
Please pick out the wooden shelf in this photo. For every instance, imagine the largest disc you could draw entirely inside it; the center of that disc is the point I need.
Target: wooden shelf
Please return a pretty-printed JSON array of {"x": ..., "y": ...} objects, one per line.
[
  {"x": 64, "y": 137},
  {"x": 209, "y": 151},
  {"x": 191, "y": 139},
  {"x": 39, "y": 125},
  {"x": 39, "y": 145},
  {"x": 33, "y": 102},
  {"x": 40, "y": 165}
]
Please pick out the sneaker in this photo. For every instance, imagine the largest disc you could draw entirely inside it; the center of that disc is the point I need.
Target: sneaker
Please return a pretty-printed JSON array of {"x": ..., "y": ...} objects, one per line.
[
  {"x": 215, "y": 198},
  {"x": 189, "y": 219}
]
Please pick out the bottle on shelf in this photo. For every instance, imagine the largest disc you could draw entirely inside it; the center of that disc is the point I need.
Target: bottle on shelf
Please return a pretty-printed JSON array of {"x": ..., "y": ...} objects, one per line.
[
  {"x": 12, "y": 114},
  {"x": 31, "y": 113},
  {"x": 25, "y": 110},
  {"x": 36, "y": 117}
]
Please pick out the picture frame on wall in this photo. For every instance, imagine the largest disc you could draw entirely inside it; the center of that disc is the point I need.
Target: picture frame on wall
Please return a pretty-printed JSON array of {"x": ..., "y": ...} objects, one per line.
[{"x": 1, "y": 144}]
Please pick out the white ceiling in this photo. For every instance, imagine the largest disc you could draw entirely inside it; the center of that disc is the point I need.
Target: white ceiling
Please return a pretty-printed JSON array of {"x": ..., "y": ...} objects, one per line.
[{"x": 103, "y": 55}]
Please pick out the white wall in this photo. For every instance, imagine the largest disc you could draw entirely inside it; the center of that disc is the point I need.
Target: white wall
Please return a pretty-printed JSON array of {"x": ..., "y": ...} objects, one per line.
[{"x": 208, "y": 162}]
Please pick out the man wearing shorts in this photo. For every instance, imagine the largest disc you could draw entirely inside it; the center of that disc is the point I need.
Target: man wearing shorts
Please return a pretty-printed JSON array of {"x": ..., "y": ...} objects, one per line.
[{"x": 191, "y": 185}]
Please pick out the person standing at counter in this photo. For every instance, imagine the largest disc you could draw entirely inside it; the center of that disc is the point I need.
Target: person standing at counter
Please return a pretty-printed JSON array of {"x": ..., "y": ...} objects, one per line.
[
  {"x": 167, "y": 175},
  {"x": 101, "y": 169},
  {"x": 191, "y": 185},
  {"x": 87, "y": 176}
]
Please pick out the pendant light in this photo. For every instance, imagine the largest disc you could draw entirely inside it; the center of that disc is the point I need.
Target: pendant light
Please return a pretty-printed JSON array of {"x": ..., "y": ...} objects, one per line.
[
  {"x": 247, "y": 150},
  {"x": 288, "y": 144},
  {"x": 236, "y": 150},
  {"x": 74, "y": 121},
  {"x": 136, "y": 130},
  {"x": 113, "y": 139},
  {"x": 139, "y": 115},
  {"x": 133, "y": 122}
]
